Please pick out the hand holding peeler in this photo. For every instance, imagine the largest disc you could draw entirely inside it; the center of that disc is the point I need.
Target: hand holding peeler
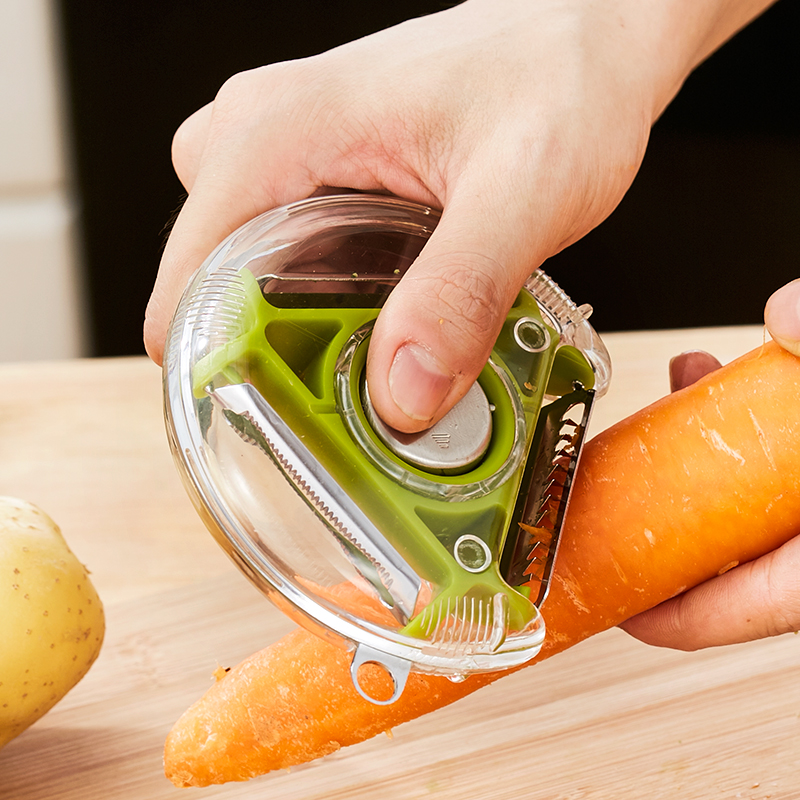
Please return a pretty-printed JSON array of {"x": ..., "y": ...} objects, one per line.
[{"x": 431, "y": 551}]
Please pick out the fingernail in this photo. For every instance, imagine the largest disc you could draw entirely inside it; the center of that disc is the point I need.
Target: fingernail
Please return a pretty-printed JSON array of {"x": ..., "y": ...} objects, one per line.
[
  {"x": 418, "y": 381},
  {"x": 688, "y": 367},
  {"x": 782, "y": 317}
]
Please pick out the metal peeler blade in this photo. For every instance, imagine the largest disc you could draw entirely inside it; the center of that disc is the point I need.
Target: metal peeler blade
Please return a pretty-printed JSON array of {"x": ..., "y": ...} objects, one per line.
[
  {"x": 371, "y": 553},
  {"x": 530, "y": 550}
]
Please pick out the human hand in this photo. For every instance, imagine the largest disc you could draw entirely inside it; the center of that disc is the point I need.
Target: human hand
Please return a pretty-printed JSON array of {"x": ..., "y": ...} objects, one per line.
[
  {"x": 753, "y": 600},
  {"x": 525, "y": 121},
  {"x": 782, "y": 317}
]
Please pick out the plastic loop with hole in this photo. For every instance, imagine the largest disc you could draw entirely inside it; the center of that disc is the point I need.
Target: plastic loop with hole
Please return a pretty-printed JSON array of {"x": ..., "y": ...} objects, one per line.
[{"x": 398, "y": 669}]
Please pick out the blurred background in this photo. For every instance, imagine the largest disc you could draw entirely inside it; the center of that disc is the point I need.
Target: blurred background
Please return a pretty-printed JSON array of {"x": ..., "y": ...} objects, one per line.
[{"x": 91, "y": 93}]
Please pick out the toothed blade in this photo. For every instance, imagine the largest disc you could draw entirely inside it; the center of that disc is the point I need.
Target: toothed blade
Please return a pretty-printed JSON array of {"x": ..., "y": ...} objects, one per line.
[
  {"x": 371, "y": 553},
  {"x": 530, "y": 550}
]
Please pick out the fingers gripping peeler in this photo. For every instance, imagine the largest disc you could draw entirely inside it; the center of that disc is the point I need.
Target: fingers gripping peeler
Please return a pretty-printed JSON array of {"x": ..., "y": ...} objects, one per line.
[{"x": 431, "y": 551}]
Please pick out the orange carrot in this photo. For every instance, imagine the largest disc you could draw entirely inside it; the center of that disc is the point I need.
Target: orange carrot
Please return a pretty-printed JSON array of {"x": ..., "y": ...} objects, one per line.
[{"x": 665, "y": 500}]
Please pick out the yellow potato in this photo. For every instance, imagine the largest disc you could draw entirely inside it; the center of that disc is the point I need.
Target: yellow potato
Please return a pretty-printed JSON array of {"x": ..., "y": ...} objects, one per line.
[{"x": 51, "y": 619}]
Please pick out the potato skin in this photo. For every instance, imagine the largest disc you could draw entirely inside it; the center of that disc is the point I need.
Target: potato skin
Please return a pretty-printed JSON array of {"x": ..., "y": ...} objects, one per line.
[{"x": 51, "y": 618}]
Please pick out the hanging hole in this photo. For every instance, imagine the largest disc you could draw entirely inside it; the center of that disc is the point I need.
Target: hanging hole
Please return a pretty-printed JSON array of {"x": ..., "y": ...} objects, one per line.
[
  {"x": 375, "y": 681},
  {"x": 378, "y": 677}
]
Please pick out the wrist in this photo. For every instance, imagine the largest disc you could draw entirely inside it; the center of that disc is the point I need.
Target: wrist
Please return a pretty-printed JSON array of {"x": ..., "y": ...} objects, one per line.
[
  {"x": 681, "y": 34},
  {"x": 656, "y": 43}
]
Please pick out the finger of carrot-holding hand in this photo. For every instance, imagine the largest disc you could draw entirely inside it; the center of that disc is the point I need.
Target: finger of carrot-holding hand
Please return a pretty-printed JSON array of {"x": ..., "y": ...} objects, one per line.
[
  {"x": 689, "y": 367},
  {"x": 782, "y": 317},
  {"x": 752, "y": 601}
]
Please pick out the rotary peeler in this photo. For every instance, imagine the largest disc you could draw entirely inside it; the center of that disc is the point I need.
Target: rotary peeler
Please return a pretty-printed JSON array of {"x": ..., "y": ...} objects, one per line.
[{"x": 431, "y": 551}]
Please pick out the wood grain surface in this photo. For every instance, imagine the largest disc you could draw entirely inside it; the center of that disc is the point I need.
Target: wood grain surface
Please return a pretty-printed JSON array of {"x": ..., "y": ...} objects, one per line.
[{"x": 611, "y": 718}]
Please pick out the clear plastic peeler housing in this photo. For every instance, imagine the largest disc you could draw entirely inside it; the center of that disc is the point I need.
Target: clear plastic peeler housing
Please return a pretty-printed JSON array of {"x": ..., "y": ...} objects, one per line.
[{"x": 430, "y": 552}]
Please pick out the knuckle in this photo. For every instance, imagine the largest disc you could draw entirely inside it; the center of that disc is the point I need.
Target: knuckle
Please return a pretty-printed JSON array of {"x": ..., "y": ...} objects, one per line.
[
  {"x": 244, "y": 93},
  {"x": 469, "y": 294},
  {"x": 182, "y": 139},
  {"x": 231, "y": 96},
  {"x": 236, "y": 87}
]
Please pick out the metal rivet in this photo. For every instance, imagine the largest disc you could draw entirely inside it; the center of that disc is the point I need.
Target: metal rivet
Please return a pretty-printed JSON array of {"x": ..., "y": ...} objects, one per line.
[
  {"x": 472, "y": 553},
  {"x": 531, "y": 335}
]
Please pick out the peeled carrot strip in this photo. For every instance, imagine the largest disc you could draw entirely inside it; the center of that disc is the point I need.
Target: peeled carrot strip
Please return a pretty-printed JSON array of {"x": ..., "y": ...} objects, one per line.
[{"x": 664, "y": 500}]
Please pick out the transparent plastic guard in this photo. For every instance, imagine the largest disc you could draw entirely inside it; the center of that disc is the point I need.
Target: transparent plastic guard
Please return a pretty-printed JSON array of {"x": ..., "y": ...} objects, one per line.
[{"x": 414, "y": 555}]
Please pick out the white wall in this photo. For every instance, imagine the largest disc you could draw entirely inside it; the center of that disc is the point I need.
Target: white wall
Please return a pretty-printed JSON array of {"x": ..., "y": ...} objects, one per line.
[{"x": 40, "y": 289}]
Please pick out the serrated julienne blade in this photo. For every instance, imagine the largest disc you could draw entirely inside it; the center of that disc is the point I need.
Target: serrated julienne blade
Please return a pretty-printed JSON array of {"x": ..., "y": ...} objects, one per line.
[
  {"x": 530, "y": 549},
  {"x": 369, "y": 550}
]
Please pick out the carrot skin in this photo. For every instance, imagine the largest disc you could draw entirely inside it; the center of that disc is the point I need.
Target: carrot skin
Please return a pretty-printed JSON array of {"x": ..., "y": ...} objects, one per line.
[{"x": 664, "y": 500}]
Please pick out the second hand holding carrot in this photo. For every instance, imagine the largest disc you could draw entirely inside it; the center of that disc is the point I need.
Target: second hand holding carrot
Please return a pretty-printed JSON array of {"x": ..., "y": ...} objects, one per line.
[{"x": 751, "y": 601}]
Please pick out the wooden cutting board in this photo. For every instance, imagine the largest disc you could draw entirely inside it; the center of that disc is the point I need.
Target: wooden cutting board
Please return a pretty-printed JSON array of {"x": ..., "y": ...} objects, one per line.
[{"x": 609, "y": 719}]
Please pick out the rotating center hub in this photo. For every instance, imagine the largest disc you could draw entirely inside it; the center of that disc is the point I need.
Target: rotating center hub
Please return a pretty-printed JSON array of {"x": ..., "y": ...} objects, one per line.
[{"x": 453, "y": 446}]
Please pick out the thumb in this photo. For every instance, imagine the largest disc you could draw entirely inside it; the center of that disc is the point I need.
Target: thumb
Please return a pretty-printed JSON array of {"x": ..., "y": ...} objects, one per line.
[
  {"x": 782, "y": 317},
  {"x": 438, "y": 327}
]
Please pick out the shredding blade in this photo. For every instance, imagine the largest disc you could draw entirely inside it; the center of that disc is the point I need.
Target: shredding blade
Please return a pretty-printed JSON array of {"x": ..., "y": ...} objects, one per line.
[{"x": 531, "y": 549}]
